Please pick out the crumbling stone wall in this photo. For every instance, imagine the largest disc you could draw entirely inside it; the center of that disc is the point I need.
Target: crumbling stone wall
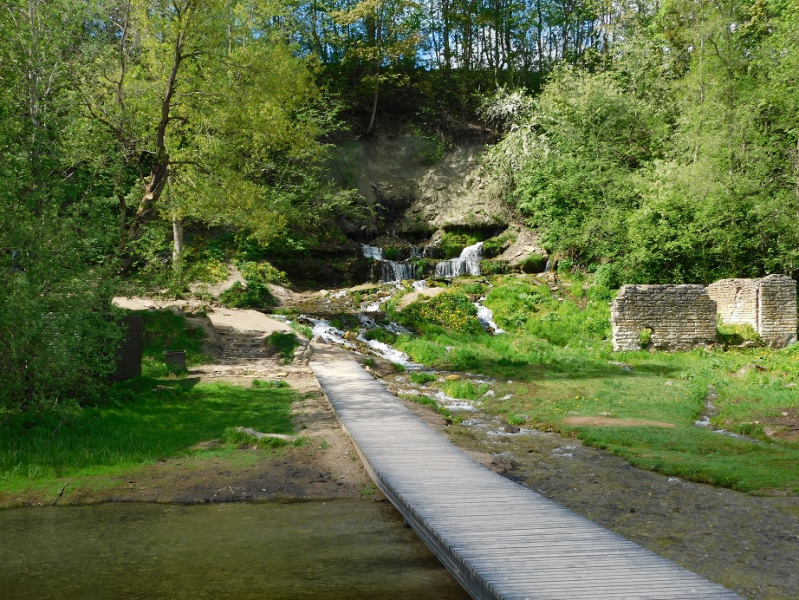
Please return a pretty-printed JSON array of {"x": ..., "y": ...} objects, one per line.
[
  {"x": 736, "y": 301},
  {"x": 767, "y": 304},
  {"x": 677, "y": 316}
]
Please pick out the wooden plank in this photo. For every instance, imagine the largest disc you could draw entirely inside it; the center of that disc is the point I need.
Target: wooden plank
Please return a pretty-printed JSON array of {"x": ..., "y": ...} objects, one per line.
[{"x": 533, "y": 548}]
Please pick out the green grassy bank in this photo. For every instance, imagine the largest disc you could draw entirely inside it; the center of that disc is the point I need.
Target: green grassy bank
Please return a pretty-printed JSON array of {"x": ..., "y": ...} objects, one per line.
[
  {"x": 556, "y": 369},
  {"x": 152, "y": 418}
]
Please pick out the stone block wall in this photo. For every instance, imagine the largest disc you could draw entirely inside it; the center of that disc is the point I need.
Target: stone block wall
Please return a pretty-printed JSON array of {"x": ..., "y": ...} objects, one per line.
[
  {"x": 767, "y": 304},
  {"x": 679, "y": 316},
  {"x": 736, "y": 300},
  {"x": 776, "y": 314}
]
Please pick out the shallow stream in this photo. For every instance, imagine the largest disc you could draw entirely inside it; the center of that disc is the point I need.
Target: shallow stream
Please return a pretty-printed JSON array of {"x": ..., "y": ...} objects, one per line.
[{"x": 339, "y": 549}]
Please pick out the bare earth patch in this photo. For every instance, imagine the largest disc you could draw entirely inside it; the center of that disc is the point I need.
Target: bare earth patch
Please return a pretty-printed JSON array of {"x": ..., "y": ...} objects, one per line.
[{"x": 609, "y": 422}]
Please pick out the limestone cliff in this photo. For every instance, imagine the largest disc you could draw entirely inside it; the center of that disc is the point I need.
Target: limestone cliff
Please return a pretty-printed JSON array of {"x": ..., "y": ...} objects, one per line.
[{"x": 416, "y": 186}]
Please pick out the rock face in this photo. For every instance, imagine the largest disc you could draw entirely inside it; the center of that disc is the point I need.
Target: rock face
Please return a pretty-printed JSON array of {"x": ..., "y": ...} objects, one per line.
[
  {"x": 672, "y": 317},
  {"x": 767, "y": 304},
  {"x": 413, "y": 184}
]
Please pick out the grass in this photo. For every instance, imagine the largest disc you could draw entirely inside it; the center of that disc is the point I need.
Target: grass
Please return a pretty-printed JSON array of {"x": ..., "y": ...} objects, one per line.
[
  {"x": 556, "y": 362},
  {"x": 165, "y": 330},
  {"x": 161, "y": 421},
  {"x": 144, "y": 420},
  {"x": 285, "y": 343},
  {"x": 421, "y": 377},
  {"x": 464, "y": 390},
  {"x": 426, "y": 401}
]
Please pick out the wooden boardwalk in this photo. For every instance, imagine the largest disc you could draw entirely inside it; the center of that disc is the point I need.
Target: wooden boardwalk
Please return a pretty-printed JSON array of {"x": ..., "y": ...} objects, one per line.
[{"x": 497, "y": 538}]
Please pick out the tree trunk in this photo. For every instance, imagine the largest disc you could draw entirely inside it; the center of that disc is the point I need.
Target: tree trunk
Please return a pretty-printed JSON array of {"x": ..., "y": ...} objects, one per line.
[
  {"x": 159, "y": 173},
  {"x": 177, "y": 242}
]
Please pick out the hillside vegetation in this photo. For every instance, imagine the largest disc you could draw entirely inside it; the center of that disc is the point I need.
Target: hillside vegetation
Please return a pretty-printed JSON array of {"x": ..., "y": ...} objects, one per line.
[{"x": 145, "y": 144}]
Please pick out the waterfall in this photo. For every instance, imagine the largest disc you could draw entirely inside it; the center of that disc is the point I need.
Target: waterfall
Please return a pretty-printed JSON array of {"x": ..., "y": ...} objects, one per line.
[
  {"x": 397, "y": 271},
  {"x": 486, "y": 318},
  {"x": 390, "y": 270},
  {"x": 468, "y": 263},
  {"x": 372, "y": 252}
]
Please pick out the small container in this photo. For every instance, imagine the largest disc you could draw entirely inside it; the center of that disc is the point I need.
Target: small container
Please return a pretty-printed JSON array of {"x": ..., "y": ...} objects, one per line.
[{"x": 175, "y": 357}]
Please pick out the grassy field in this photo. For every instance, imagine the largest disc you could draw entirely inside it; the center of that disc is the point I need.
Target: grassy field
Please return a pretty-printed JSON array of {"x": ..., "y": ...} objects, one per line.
[
  {"x": 144, "y": 420},
  {"x": 557, "y": 365}
]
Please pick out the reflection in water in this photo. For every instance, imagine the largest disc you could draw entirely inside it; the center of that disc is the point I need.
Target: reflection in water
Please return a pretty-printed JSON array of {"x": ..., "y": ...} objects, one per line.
[{"x": 341, "y": 549}]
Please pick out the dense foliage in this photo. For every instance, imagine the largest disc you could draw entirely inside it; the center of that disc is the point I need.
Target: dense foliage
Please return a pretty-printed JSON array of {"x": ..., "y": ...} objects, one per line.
[
  {"x": 676, "y": 161},
  {"x": 651, "y": 140}
]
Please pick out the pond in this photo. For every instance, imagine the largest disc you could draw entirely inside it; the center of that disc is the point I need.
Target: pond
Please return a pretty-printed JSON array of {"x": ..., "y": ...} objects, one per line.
[{"x": 338, "y": 549}]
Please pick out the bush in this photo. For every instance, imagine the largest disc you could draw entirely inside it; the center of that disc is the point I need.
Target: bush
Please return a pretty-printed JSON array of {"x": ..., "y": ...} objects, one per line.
[
  {"x": 254, "y": 295},
  {"x": 391, "y": 253},
  {"x": 535, "y": 263},
  {"x": 421, "y": 378},
  {"x": 735, "y": 335},
  {"x": 58, "y": 339},
  {"x": 452, "y": 310},
  {"x": 285, "y": 343},
  {"x": 464, "y": 390},
  {"x": 381, "y": 335},
  {"x": 262, "y": 272},
  {"x": 493, "y": 267},
  {"x": 453, "y": 242},
  {"x": 495, "y": 246}
]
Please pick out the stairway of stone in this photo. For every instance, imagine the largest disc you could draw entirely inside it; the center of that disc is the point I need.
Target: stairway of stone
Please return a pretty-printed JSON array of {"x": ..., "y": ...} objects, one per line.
[
  {"x": 241, "y": 354},
  {"x": 240, "y": 346}
]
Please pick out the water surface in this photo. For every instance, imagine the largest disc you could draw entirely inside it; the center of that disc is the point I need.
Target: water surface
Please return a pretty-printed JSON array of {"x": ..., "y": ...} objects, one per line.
[{"x": 340, "y": 549}]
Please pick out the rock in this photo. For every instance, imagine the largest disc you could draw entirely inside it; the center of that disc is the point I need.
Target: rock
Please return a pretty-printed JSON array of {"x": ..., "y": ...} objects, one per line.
[
  {"x": 319, "y": 340},
  {"x": 750, "y": 367},
  {"x": 512, "y": 429},
  {"x": 624, "y": 366},
  {"x": 351, "y": 335}
]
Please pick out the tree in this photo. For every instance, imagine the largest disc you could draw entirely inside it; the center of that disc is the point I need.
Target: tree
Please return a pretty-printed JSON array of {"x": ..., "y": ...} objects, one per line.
[
  {"x": 389, "y": 36},
  {"x": 207, "y": 106}
]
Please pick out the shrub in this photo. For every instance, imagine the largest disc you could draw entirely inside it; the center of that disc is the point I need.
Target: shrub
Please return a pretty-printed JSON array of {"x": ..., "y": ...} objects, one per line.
[
  {"x": 535, "y": 263},
  {"x": 735, "y": 335},
  {"x": 496, "y": 245},
  {"x": 452, "y": 310},
  {"x": 465, "y": 390},
  {"x": 254, "y": 295},
  {"x": 420, "y": 377},
  {"x": 381, "y": 335},
  {"x": 262, "y": 272},
  {"x": 391, "y": 253},
  {"x": 493, "y": 267},
  {"x": 285, "y": 343},
  {"x": 453, "y": 242}
]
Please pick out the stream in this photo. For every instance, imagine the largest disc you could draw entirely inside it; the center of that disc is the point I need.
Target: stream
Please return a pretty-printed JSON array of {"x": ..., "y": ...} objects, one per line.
[{"x": 331, "y": 550}]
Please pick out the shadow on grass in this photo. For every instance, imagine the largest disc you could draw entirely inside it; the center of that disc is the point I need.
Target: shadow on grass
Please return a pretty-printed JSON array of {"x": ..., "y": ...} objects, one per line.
[{"x": 150, "y": 420}]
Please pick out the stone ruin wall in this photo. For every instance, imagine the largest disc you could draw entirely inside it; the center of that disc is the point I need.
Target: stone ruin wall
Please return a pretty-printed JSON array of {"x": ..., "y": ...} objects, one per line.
[
  {"x": 683, "y": 316},
  {"x": 679, "y": 316},
  {"x": 736, "y": 300},
  {"x": 767, "y": 304}
]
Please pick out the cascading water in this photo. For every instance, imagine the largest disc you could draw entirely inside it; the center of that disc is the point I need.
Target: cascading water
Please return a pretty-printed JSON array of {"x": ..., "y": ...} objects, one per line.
[
  {"x": 468, "y": 263},
  {"x": 397, "y": 271},
  {"x": 486, "y": 318},
  {"x": 390, "y": 270},
  {"x": 372, "y": 252}
]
